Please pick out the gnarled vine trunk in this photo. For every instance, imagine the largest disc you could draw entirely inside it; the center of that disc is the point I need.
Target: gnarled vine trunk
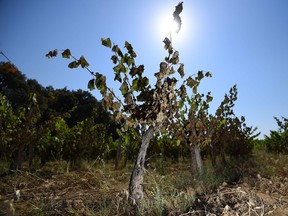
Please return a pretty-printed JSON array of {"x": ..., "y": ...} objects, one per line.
[
  {"x": 137, "y": 175},
  {"x": 196, "y": 163},
  {"x": 198, "y": 159}
]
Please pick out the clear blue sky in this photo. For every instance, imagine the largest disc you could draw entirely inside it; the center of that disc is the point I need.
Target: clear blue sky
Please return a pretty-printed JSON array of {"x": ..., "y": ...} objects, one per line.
[{"x": 241, "y": 42}]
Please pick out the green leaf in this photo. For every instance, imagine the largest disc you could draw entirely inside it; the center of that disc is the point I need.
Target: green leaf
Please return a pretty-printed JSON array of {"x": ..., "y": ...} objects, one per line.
[
  {"x": 91, "y": 84},
  {"x": 118, "y": 77},
  {"x": 66, "y": 53},
  {"x": 120, "y": 68},
  {"x": 124, "y": 88},
  {"x": 129, "y": 61},
  {"x": 106, "y": 42},
  {"x": 209, "y": 98},
  {"x": 82, "y": 61},
  {"x": 73, "y": 64},
  {"x": 194, "y": 89},
  {"x": 200, "y": 76},
  {"x": 135, "y": 86},
  {"x": 145, "y": 81}
]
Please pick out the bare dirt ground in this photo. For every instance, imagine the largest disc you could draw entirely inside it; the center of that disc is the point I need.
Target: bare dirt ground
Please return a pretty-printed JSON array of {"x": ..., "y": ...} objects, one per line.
[{"x": 103, "y": 192}]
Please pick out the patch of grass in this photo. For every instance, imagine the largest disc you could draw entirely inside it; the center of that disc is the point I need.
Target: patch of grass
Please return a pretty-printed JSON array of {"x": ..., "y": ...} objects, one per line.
[
  {"x": 271, "y": 164},
  {"x": 97, "y": 189}
]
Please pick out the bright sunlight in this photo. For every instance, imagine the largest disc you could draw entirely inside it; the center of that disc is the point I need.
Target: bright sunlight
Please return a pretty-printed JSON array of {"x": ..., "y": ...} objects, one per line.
[{"x": 167, "y": 25}]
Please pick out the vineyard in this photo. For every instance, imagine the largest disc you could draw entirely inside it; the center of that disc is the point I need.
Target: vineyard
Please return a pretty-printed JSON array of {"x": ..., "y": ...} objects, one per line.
[
  {"x": 143, "y": 149},
  {"x": 65, "y": 153}
]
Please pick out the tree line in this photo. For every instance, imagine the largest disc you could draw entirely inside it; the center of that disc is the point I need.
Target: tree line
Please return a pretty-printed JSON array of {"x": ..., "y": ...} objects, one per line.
[{"x": 49, "y": 124}]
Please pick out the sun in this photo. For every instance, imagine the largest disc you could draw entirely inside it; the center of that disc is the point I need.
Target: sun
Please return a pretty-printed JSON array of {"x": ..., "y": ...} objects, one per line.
[
  {"x": 167, "y": 25},
  {"x": 162, "y": 25}
]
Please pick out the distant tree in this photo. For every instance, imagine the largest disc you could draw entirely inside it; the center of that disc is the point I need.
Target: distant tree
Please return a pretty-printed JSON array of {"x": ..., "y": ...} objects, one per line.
[
  {"x": 221, "y": 127},
  {"x": 193, "y": 127},
  {"x": 166, "y": 145},
  {"x": 9, "y": 122},
  {"x": 13, "y": 85},
  {"x": 46, "y": 108},
  {"x": 48, "y": 146},
  {"x": 40, "y": 92},
  {"x": 85, "y": 105},
  {"x": 240, "y": 138},
  {"x": 27, "y": 134},
  {"x": 126, "y": 145},
  {"x": 278, "y": 139},
  {"x": 231, "y": 135}
]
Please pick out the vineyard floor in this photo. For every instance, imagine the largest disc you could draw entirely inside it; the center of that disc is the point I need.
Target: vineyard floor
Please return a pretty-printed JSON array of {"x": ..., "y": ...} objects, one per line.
[{"x": 98, "y": 189}]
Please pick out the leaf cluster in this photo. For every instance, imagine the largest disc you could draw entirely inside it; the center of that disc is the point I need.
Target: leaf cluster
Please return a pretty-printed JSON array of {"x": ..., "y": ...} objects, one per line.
[{"x": 139, "y": 102}]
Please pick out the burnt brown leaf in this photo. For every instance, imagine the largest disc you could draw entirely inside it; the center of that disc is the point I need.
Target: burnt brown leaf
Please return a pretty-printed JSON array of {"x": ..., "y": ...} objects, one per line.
[
  {"x": 91, "y": 84},
  {"x": 106, "y": 42},
  {"x": 100, "y": 83},
  {"x": 116, "y": 106},
  {"x": 175, "y": 58},
  {"x": 82, "y": 61},
  {"x": 114, "y": 59},
  {"x": 167, "y": 44},
  {"x": 176, "y": 15},
  {"x": 124, "y": 88},
  {"x": 181, "y": 70},
  {"x": 73, "y": 64},
  {"x": 191, "y": 82},
  {"x": 51, "y": 54},
  {"x": 66, "y": 53}
]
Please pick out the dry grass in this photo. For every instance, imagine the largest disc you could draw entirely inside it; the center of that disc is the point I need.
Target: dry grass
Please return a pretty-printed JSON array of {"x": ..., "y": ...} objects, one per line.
[{"x": 97, "y": 189}]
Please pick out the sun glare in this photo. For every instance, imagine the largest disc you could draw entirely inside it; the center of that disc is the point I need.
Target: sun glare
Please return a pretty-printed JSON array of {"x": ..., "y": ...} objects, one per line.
[{"x": 167, "y": 25}]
